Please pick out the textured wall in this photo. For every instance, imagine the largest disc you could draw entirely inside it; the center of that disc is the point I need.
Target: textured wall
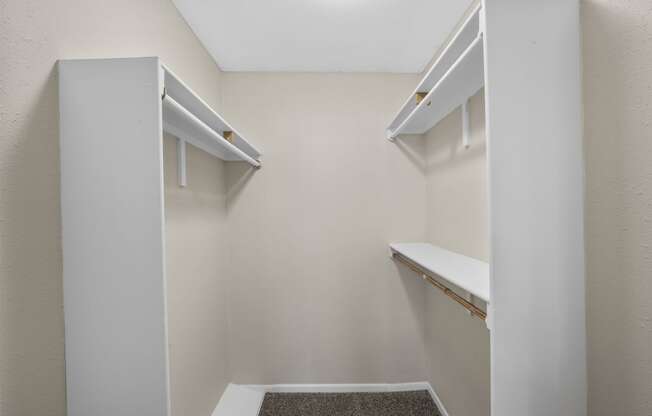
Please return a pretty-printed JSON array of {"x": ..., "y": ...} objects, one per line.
[
  {"x": 34, "y": 34},
  {"x": 457, "y": 219},
  {"x": 617, "y": 42},
  {"x": 310, "y": 232}
]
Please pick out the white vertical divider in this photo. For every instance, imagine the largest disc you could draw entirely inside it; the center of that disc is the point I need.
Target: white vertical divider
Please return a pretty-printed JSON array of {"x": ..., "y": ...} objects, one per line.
[
  {"x": 465, "y": 124},
  {"x": 113, "y": 237},
  {"x": 534, "y": 127},
  {"x": 181, "y": 163}
]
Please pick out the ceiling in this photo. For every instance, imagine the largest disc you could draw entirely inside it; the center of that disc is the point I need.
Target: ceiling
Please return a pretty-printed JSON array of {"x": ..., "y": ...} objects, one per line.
[{"x": 322, "y": 35}]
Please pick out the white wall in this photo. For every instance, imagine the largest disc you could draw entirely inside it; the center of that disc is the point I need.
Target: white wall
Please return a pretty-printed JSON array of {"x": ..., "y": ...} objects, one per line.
[
  {"x": 316, "y": 297},
  {"x": 34, "y": 34},
  {"x": 618, "y": 151},
  {"x": 457, "y": 219}
]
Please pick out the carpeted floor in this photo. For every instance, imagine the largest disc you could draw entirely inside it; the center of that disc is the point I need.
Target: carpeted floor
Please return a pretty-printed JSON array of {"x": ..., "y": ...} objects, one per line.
[{"x": 406, "y": 403}]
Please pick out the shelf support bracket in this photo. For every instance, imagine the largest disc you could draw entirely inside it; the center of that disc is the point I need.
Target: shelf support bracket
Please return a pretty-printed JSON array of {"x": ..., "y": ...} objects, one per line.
[
  {"x": 466, "y": 130},
  {"x": 471, "y": 299},
  {"x": 181, "y": 163}
]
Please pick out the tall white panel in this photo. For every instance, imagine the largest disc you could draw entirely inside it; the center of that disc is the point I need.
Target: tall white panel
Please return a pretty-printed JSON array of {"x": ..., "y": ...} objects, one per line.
[
  {"x": 532, "y": 52},
  {"x": 113, "y": 252}
]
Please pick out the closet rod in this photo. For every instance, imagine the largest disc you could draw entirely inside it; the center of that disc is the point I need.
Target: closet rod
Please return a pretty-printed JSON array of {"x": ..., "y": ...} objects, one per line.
[
  {"x": 475, "y": 311},
  {"x": 177, "y": 108}
]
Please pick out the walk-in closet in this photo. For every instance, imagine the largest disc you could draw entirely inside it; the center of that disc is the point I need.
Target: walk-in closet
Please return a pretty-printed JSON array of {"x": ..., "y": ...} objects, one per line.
[{"x": 384, "y": 228}]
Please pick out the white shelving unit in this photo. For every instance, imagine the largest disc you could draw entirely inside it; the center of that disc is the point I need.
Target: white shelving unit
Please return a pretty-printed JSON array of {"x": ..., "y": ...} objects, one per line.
[
  {"x": 455, "y": 76},
  {"x": 188, "y": 117},
  {"x": 467, "y": 273},
  {"x": 527, "y": 56},
  {"x": 112, "y": 116}
]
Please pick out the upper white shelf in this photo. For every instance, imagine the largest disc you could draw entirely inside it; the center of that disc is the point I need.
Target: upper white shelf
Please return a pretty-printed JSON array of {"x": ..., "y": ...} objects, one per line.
[
  {"x": 188, "y": 117},
  {"x": 464, "y": 272},
  {"x": 456, "y": 75}
]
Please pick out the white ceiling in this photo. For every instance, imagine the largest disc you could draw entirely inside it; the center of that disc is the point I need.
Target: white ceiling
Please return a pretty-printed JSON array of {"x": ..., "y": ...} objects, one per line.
[{"x": 322, "y": 35}]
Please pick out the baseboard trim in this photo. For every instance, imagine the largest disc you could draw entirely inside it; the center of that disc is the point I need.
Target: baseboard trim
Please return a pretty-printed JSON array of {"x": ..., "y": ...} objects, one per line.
[
  {"x": 246, "y": 399},
  {"x": 437, "y": 400},
  {"x": 339, "y": 388}
]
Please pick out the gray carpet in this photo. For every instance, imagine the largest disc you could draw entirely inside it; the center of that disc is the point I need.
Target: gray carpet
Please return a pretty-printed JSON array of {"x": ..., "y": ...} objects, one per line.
[{"x": 406, "y": 403}]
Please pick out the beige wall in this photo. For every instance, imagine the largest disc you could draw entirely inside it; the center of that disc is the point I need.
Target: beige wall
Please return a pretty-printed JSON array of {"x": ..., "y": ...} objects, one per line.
[
  {"x": 618, "y": 152},
  {"x": 457, "y": 219},
  {"x": 197, "y": 255},
  {"x": 317, "y": 298},
  {"x": 457, "y": 204},
  {"x": 34, "y": 35}
]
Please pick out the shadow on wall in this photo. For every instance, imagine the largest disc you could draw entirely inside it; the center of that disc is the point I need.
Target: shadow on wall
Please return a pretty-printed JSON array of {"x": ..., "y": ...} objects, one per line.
[
  {"x": 238, "y": 174},
  {"x": 444, "y": 148},
  {"x": 415, "y": 291},
  {"x": 455, "y": 156},
  {"x": 413, "y": 147},
  {"x": 31, "y": 318}
]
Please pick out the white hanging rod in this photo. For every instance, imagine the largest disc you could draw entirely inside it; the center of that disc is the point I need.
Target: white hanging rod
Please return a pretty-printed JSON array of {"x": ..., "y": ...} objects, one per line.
[
  {"x": 177, "y": 108},
  {"x": 424, "y": 102}
]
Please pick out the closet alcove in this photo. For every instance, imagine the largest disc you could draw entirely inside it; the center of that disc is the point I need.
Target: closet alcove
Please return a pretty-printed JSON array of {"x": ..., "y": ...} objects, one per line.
[
  {"x": 501, "y": 101},
  {"x": 453, "y": 79}
]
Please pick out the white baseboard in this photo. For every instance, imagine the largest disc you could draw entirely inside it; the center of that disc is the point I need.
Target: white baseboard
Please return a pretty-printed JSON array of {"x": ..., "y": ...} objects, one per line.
[
  {"x": 339, "y": 388},
  {"x": 437, "y": 400},
  {"x": 246, "y": 399}
]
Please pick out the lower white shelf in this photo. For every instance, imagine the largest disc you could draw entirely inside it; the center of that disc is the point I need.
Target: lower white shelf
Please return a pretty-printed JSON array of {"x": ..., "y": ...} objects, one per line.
[{"x": 467, "y": 273}]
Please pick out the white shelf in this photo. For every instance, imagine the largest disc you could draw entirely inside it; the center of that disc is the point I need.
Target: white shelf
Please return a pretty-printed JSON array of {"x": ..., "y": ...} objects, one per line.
[
  {"x": 464, "y": 272},
  {"x": 188, "y": 117},
  {"x": 455, "y": 76},
  {"x": 180, "y": 122}
]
